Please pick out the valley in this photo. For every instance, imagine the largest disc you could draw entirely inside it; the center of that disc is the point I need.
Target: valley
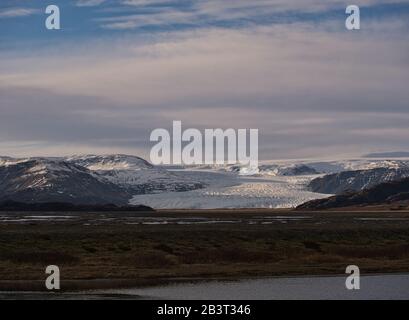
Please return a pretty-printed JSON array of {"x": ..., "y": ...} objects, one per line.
[{"x": 135, "y": 249}]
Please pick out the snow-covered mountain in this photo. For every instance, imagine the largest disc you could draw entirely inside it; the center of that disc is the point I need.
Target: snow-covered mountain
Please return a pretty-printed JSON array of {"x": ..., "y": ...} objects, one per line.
[
  {"x": 110, "y": 162},
  {"x": 7, "y": 161},
  {"x": 44, "y": 180},
  {"x": 82, "y": 179},
  {"x": 337, "y": 183},
  {"x": 274, "y": 169},
  {"x": 118, "y": 178},
  {"x": 135, "y": 174},
  {"x": 287, "y": 170},
  {"x": 306, "y": 167},
  {"x": 357, "y": 164},
  {"x": 392, "y": 194}
]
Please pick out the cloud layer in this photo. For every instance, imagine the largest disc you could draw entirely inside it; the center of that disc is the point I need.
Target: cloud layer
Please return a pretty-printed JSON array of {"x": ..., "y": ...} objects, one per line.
[{"x": 310, "y": 87}]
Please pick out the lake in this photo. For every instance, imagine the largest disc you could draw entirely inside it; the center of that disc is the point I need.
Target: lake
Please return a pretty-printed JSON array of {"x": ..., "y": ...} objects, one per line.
[
  {"x": 376, "y": 287},
  {"x": 372, "y": 287}
]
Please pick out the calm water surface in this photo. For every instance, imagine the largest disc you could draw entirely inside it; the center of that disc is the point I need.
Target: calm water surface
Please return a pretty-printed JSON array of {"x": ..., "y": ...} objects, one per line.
[
  {"x": 375, "y": 287},
  {"x": 372, "y": 287}
]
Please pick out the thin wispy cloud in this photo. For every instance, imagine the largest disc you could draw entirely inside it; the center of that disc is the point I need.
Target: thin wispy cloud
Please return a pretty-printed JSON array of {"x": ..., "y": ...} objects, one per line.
[
  {"x": 89, "y": 3},
  {"x": 145, "y": 2},
  {"x": 155, "y": 19},
  {"x": 215, "y": 11},
  {"x": 17, "y": 12}
]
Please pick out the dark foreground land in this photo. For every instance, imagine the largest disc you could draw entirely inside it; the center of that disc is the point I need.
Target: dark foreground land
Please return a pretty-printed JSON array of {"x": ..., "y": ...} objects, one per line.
[{"x": 123, "y": 249}]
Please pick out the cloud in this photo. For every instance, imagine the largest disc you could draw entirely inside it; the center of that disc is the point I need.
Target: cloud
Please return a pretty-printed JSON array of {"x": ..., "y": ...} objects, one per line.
[
  {"x": 17, "y": 12},
  {"x": 89, "y": 3},
  {"x": 168, "y": 12},
  {"x": 145, "y": 2},
  {"x": 310, "y": 88},
  {"x": 271, "y": 67},
  {"x": 157, "y": 19},
  {"x": 39, "y": 121}
]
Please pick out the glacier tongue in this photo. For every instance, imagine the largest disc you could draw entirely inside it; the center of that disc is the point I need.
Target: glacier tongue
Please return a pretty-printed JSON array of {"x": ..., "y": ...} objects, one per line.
[{"x": 229, "y": 190}]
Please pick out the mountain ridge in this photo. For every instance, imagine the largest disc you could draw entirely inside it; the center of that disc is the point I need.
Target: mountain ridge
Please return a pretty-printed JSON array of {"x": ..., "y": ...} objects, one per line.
[
  {"x": 90, "y": 179},
  {"x": 356, "y": 180},
  {"x": 36, "y": 180},
  {"x": 387, "y": 193}
]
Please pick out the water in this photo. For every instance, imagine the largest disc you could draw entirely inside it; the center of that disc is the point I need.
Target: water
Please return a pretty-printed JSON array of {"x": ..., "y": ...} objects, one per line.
[
  {"x": 372, "y": 287},
  {"x": 377, "y": 287}
]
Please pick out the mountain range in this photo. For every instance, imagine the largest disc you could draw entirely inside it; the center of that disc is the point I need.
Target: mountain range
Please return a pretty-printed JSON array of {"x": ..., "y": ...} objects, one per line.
[
  {"x": 356, "y": 180},
  {"x": 43, "y": 180},
  {"x": 287, "y": 170},
  {"x": 95, "y": 180},
  {"x": 388, "y": 193},
  {"x": 85, "y": 180},
  {"x": 135, "y": 175}
]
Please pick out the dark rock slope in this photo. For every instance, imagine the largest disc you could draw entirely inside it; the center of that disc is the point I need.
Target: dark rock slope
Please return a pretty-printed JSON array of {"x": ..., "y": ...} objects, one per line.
[
  {"x": 45, "y": 180},
  {"x": 395, "y": 192}
]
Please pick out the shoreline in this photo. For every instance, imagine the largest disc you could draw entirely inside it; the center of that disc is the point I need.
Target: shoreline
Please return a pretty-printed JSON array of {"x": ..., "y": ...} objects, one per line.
[{"x": 82, "y": 286}]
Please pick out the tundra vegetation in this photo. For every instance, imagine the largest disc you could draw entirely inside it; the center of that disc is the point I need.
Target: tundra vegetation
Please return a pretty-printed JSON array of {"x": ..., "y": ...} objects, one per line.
[{"x": 129, "y": 254}]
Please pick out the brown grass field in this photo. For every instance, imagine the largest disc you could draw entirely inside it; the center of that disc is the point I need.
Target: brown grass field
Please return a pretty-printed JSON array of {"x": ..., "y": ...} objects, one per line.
[{"x": 109, "y": 250}]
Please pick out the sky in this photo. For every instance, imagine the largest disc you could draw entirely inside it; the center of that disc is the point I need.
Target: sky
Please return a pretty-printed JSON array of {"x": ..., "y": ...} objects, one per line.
[{"x": 119, "y": 69}]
